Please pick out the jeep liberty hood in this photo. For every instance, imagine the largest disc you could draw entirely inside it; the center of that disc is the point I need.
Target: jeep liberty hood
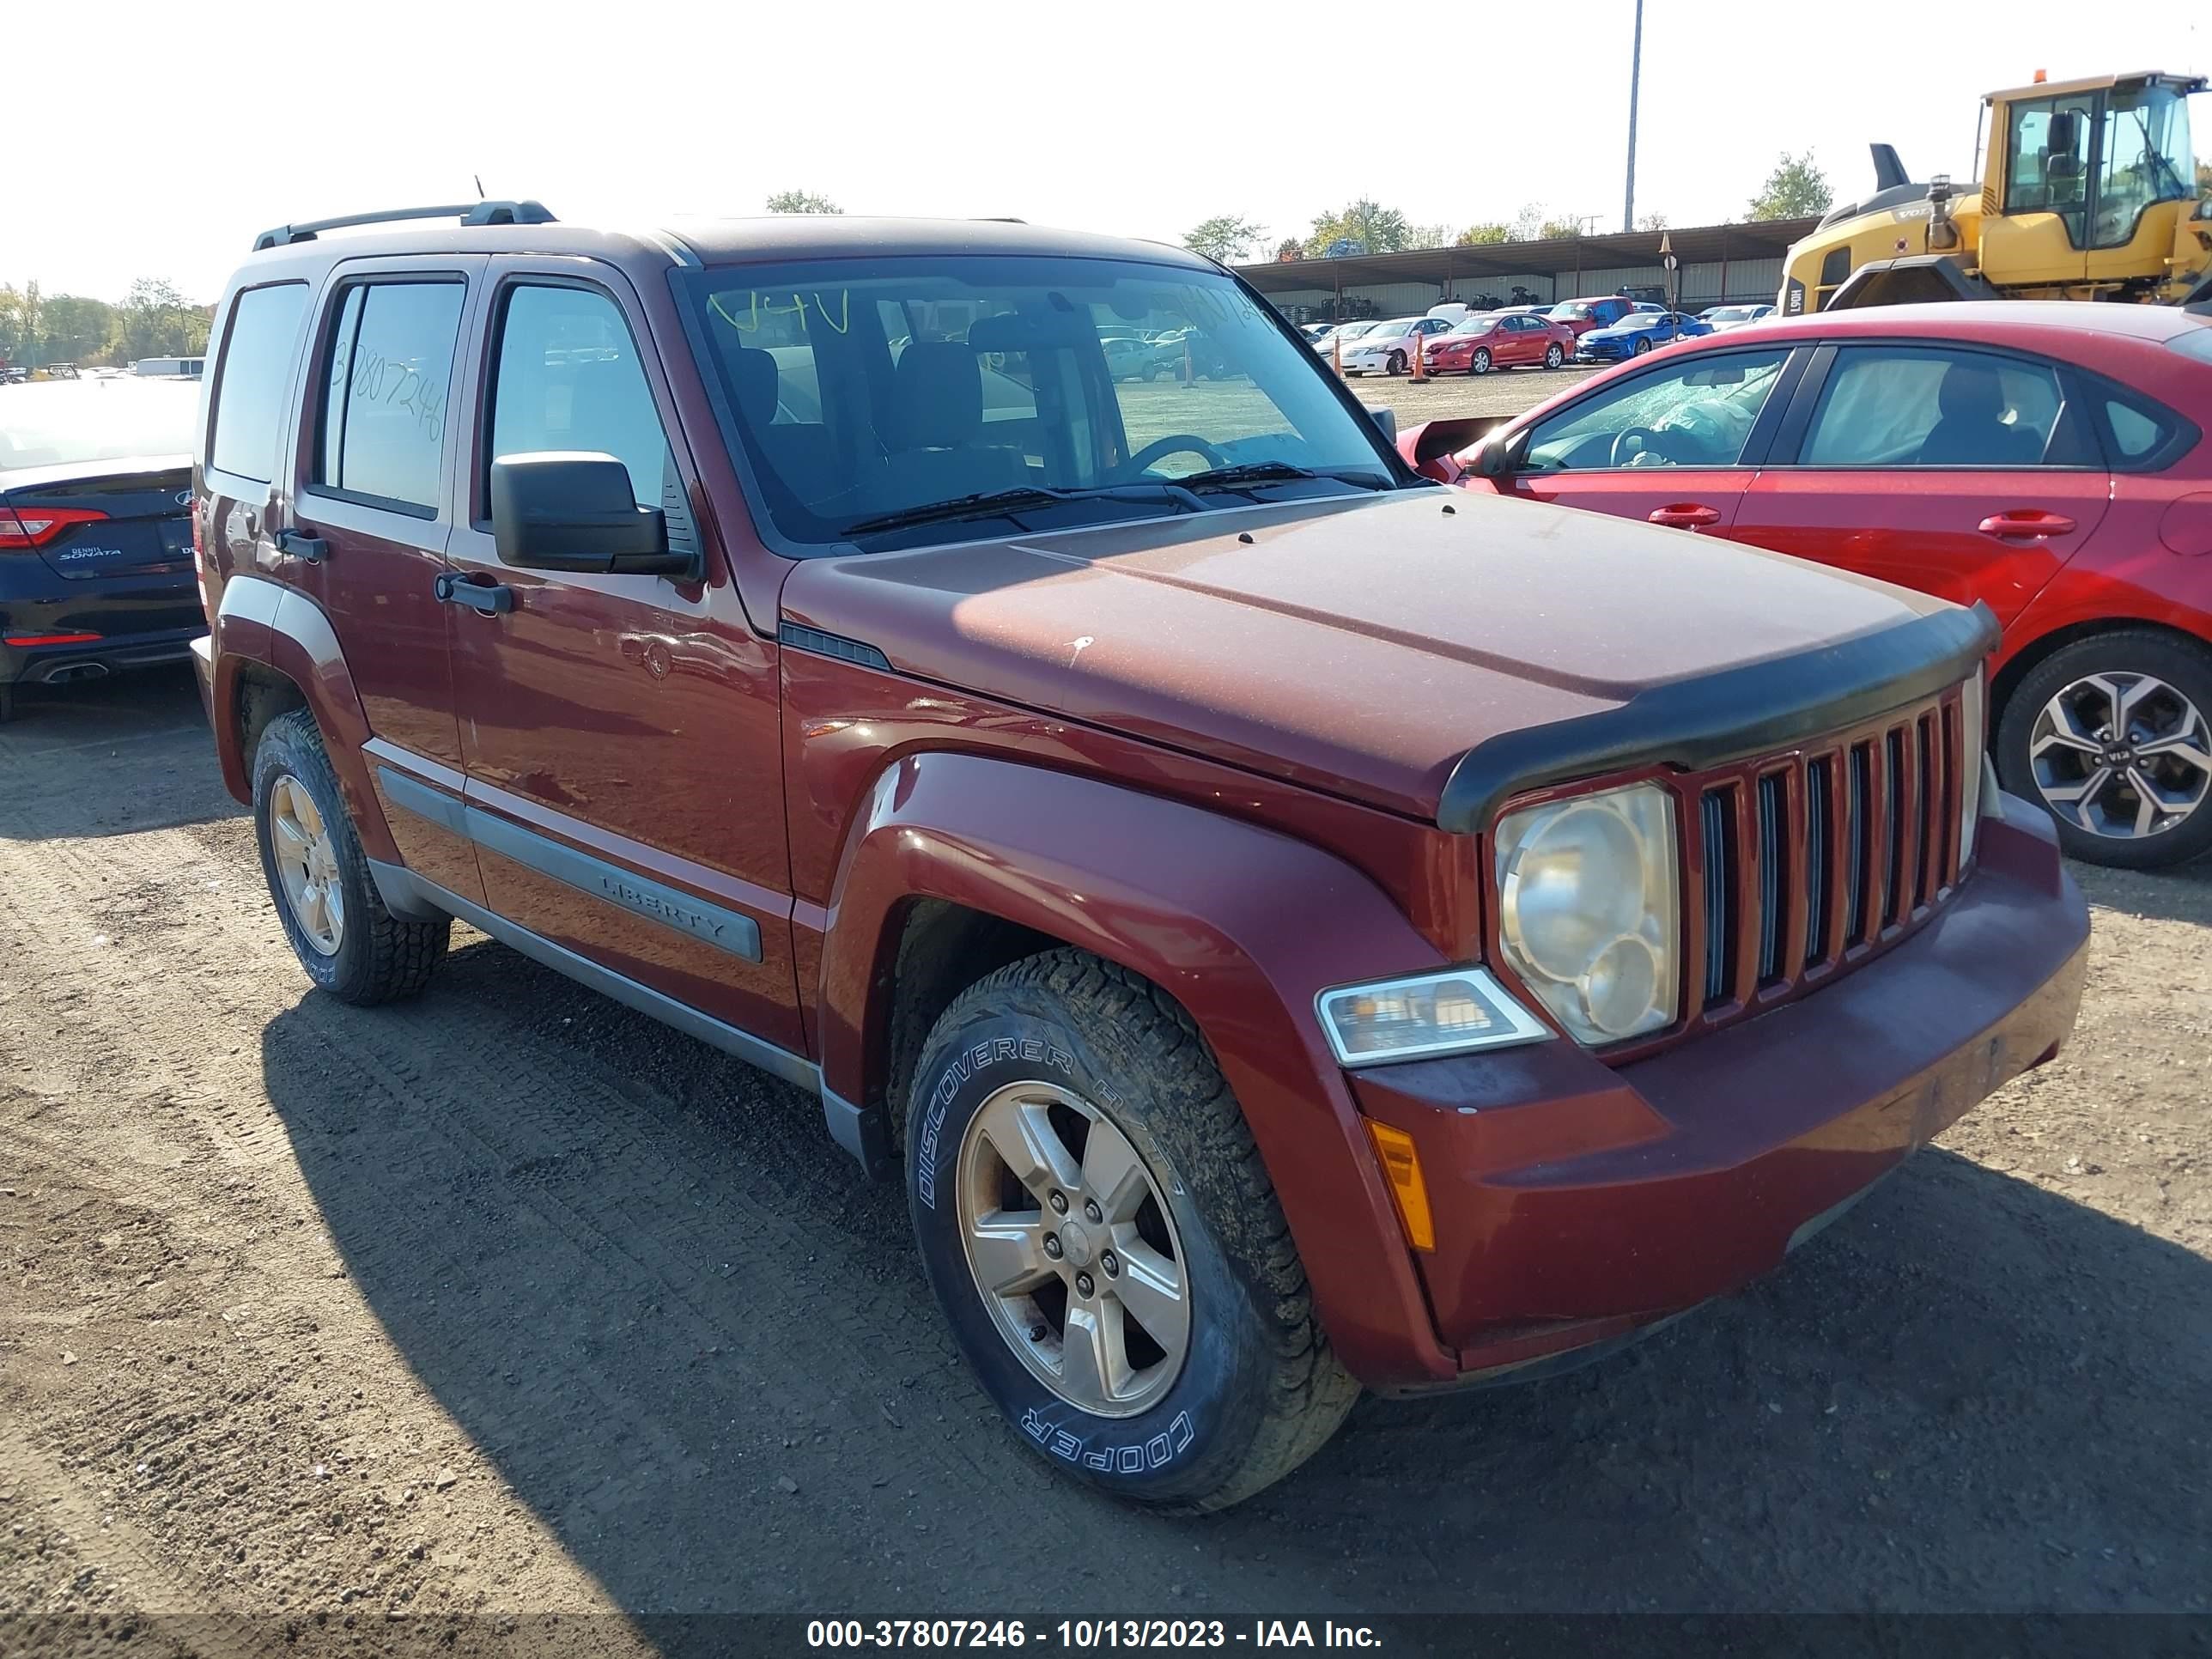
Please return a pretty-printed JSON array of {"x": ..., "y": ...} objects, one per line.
[{"x": 1365, "y": 648}]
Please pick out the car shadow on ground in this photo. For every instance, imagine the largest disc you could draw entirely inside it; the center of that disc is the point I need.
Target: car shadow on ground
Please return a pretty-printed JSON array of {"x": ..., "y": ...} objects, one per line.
[
  {"x": 150, "y": 720},
  {"x": 643, "y": 1280},
  {"x": 2178, "y": 894}
]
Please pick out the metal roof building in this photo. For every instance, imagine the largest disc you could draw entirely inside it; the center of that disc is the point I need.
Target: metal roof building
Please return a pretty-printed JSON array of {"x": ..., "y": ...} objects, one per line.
[{"x": 1738, "y": 264}]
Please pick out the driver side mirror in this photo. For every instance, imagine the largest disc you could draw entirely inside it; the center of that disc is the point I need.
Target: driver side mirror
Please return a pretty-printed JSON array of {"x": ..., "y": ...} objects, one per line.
[
  {"x": 1501, "y": 456},
  {"x": 574, "y": 510}
]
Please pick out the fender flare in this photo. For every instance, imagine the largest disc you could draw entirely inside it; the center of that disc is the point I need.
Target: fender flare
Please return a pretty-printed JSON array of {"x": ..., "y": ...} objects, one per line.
[
  {"x": 1243, "y": 925},
  {"x": 265, "y": 621}
]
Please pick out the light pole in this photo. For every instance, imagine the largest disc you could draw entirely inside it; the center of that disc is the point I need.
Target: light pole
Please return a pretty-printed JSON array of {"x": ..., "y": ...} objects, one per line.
[{"x": 1635, "y": 76}]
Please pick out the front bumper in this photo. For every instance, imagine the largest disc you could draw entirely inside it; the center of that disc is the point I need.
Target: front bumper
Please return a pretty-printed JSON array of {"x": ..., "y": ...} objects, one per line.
[{"x": 1575, "y": 1203}]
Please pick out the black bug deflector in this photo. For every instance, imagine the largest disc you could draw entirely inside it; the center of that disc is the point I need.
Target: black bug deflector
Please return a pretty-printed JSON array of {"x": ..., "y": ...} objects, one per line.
[{"x": 1712, "y": 717}]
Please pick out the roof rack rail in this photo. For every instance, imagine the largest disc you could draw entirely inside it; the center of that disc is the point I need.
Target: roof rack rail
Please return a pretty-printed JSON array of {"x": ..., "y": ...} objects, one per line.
[{"x": 469, "y": 213}]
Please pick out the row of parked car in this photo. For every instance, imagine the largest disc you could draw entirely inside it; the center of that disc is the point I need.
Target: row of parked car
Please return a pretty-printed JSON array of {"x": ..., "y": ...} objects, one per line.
[{"x": 1452, "y": 339}]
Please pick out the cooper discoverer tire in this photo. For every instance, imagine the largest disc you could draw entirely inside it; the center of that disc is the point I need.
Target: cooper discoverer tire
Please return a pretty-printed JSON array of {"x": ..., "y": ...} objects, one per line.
[
  {"x": 2136, "y": 704},
  {"x": 1101, "y": 1089},
  {"x": 336, "y": 923}
]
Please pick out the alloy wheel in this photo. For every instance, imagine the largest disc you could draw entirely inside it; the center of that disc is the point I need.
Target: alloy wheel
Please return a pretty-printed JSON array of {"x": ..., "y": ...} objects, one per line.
[
  {"x": 1072, "y": 1249},
  {"x": 1479, "y": 363},
  {"x": 307, "y": 863},
  {"x": 2122, "y": 755}
]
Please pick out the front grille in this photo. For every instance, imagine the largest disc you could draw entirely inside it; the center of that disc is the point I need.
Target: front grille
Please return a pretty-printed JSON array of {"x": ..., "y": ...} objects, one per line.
[{"x": 1808, "y": 860}]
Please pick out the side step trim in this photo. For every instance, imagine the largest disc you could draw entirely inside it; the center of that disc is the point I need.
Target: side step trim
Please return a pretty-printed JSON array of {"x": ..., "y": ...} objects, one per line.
[
  {"x": 396, "y": 883},
  {"x": 679, "y": 911}
]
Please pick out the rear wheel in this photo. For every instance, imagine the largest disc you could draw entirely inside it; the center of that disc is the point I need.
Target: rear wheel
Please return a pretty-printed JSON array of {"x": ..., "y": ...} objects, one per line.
[
  {"x": 1102, "y": 1237},
  {"x": 2113, "y": 734},
  {"x": 1553, "y": 356},
  {"x": 350, "y": 944},
  {"x": 1479, "y": 363}
]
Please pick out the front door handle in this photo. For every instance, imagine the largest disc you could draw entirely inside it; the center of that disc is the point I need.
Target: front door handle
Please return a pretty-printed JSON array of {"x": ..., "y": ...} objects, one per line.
[
  {"x": 489, "y": 599},
  {"x": 2027, "y": 524},
  {"x": 301, "y": 545},
  {"x": 1686, "y": 516}
]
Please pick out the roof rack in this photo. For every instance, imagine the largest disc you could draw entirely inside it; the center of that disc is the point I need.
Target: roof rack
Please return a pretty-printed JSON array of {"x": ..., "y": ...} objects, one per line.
[{"x": 469, "y": 213}]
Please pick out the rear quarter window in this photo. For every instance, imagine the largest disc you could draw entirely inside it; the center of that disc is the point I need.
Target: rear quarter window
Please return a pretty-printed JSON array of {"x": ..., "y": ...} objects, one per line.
[{"x": 255, "y": 376}]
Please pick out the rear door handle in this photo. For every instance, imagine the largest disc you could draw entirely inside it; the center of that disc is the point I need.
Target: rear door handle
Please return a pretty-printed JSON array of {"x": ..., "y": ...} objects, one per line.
[
  {"x": 1686, "y": 516},
  {"x": 301, "y": 545},
  {"x": 489, "y": 599},
  {"x": 2027, "y": 524}
]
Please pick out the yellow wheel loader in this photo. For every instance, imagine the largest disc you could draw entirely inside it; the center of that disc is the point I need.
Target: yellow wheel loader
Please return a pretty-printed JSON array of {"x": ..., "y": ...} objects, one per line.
[{"x": 2088, "y": 191}]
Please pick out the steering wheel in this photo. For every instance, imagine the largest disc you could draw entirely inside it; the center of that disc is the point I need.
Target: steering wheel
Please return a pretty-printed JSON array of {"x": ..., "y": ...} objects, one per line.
[
  {"x": 1176, "y": 443},
  {"x": 1649, "y": 445}
]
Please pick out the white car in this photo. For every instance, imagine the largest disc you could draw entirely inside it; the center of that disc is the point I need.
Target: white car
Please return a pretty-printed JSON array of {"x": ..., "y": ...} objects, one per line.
[
  {"x": 1347, "y": 333},
  {"x": 1387, "y": 347},
  {"x": 1728, "y": 316}
]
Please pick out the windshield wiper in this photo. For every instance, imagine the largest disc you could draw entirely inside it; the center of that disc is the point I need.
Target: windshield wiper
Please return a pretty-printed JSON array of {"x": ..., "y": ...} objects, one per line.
[
  {"x": 1253, "y": 472},
  {"x": 991, "y": 503}
]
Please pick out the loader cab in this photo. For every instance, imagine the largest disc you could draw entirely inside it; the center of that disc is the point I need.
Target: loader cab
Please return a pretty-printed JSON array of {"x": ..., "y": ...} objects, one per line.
[{"x": 2086, "y": 182}]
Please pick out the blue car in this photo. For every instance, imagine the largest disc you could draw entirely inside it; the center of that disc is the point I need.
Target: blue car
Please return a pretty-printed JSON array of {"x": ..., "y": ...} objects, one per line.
[
  {"x": 95, "y": 532},
  {"x": 1637, "y": 333}
]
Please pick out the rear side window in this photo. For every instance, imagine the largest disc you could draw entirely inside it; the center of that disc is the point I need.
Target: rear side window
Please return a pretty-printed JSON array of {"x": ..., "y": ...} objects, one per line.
[
  {"x": 257, "y": 372},
  {"x": 383, "y": 394},
  {"x": 1902, "y": 406}
]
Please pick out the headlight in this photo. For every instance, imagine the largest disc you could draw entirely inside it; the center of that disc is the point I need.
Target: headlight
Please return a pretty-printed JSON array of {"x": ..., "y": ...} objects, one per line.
[
  {"x": 1448, "y": 1014},
  {"x": 1589, "y": 911},
  {"x": 1973, "y": 753}
]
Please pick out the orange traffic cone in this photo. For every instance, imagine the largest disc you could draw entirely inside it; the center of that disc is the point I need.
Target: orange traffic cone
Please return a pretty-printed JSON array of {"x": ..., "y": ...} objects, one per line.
[
  {"x": 1336, "y": 353},
  {"x": 1421, "y": 357}
]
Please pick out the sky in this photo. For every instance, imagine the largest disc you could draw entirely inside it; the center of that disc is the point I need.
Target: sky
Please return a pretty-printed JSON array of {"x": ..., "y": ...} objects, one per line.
[{"x": 137, "y": 149}]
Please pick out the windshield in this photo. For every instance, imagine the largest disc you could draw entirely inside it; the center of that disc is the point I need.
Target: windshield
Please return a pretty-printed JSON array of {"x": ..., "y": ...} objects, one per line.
[
  {"x": 57, "y": 423},
  {"x": 866, "y": 392},
  {"x": 1478, "y": 324},
  {"x": 1727, "y": 313},
  {"x": 1571, "y": 311}
]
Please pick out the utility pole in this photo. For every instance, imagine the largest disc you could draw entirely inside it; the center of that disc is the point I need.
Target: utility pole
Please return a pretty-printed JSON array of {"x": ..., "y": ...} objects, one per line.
[{"x": 1635, "y": 76}]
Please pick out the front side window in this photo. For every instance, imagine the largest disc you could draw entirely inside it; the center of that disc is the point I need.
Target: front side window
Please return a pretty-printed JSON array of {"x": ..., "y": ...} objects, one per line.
[
  {"x": 384, "y": 393},
  {"x": 873, "y": 402},
  {"x": 257, "y": 373},
  {"x": 1699, "y": 413},
  {"x": 1913, "y": 406}
]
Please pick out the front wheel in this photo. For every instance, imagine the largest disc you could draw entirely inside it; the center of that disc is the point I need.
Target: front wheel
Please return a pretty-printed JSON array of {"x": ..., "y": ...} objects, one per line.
[
  {"x": 1553, "y": 356},
  {"x": 1397, "y": 363},
  {"x": 2111, "y": 733},
  {"x": 1643, "y": 346},
  {"x": 1102, "y": 1237},
  {"x": 1479, "y": 363},
  {"x": 350, "y": 944}
]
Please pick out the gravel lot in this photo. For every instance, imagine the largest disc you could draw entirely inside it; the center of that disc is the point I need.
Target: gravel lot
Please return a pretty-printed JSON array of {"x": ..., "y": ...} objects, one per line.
[{"x": 389, "y": 1328}]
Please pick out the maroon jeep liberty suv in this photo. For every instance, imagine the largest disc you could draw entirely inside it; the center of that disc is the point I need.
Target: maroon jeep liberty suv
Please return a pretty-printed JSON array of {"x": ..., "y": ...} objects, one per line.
[{"x": 1295, "y": 927}]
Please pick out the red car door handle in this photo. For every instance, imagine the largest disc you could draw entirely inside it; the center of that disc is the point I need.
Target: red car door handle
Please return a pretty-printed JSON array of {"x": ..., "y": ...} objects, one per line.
[
  {"x": 1686, "y": 516},
  {"x": 2028, "y": 523}
]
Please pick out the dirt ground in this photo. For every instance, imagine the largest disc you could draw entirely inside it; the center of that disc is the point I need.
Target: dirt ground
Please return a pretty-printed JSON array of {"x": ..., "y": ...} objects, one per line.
[{"x": 344, "y": 1330}]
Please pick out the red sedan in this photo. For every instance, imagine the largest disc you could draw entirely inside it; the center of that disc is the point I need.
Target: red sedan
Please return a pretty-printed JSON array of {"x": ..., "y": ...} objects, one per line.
[
  {"x": 1500, "y": 339},
  {"x": 2047, "y": 460}
]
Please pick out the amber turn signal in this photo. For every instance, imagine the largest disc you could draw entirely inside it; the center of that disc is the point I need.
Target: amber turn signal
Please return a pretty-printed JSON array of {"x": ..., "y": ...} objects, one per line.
[{"x": 1401, "y": 1167}]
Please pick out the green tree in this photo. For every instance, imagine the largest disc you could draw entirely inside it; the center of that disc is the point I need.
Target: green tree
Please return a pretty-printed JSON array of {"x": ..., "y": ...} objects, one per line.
[
  {"x": 2204, "y": 178},
  {"x": 1795, "y": 189},
  {"x": 1484, "y": 235},
  {"x": 1290, "y": 248},
  {"x": 1376, "y": 228},
  {"x": 154, "y": 320},
  {"x": 802, "y": 201},
  {"x": 1652, "y": 221},
  {"x": 18, "y": 321},
  {"x": 1428, "y": 236},
  {"x": 1537, "y": 223},
  {"x": 72, "y": 329},
  {"x": 1226, "y": 236}
]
